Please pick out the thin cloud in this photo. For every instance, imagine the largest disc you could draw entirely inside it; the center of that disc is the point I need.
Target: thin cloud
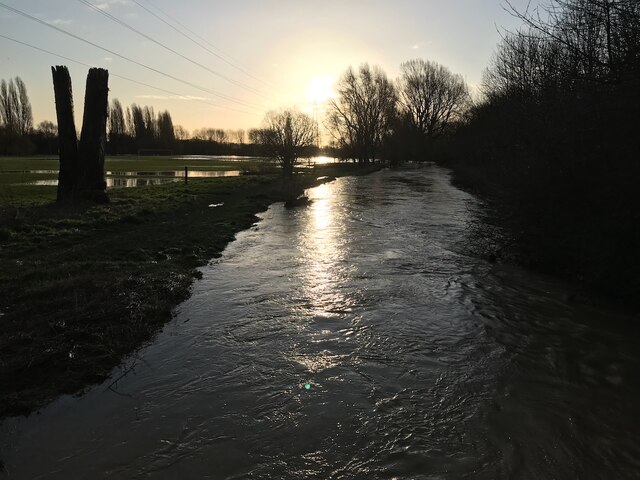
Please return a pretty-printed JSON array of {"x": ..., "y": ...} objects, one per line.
[
  {"x": 60, "y": 21},
  {"x": 417, "y": 46},
  {"x": 106, "y": 5}
]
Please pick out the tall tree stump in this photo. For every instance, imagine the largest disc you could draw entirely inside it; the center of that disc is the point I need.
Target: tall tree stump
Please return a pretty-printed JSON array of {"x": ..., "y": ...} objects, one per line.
[
  {"x": 93, "y": 139},
  {"x": 67, "y": 136}
]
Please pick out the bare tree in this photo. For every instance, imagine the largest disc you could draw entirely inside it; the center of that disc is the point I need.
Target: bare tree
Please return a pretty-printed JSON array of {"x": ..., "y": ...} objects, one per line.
[
  {"x": 254, "y": 136},
  {"x": 7, "y": 115},
  {"x": 525, "y": 65},
  {"x": 25, "y": 115},
  {"x": 287, "y": 134},
  {"x": 117, "y": 126},
  {"x": 599, "y": 38},
  {"x": 180, "y": 133},
  {"x": 166, "y": 132},
  {"x": 220, "y": 136},
  {"x": 235, "y": 136},
  {"x": 207, "y": 134},
  {"x": 15, "y": 107},
  {"x": 431, "y": 96},
  {"x": 47, "y": 129},
  {"x": 362, "y": 114}
]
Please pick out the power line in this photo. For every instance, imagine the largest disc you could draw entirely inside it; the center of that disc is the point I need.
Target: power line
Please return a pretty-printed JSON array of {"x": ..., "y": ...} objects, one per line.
[
  {"x": 169, "y": 49},
  {"x": 121, "y": 76},
  {"x": 65, "y": 32},
  {"x": 204, "y": 47}
]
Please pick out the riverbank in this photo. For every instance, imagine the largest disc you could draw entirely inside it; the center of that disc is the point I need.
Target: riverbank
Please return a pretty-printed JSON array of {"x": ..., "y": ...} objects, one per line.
[
  {"x": 588, "y": 239},
  {"x": 83, "y": 286}
]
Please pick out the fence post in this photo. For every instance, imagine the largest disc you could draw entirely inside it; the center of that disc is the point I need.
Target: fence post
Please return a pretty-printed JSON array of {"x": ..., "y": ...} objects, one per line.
[{"x": 186, "y": 174}]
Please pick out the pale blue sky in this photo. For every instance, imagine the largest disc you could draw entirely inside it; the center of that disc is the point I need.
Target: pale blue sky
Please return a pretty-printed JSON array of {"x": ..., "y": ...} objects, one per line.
[{"x": 285, "y": 45}]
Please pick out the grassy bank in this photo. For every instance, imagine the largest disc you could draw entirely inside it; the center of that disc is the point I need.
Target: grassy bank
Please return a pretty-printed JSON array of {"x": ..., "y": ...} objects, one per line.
[{"x": 81, "y": 286}]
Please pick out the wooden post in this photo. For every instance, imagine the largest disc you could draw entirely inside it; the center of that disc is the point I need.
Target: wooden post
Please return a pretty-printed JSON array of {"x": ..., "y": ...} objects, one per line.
[
  {"x": 93, "y": 139},
  {"x": 186, "y": 174},
  {"x": 67, "y": 136}
]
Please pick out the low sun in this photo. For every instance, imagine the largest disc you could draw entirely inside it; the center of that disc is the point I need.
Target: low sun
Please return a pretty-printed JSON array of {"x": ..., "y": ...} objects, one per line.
[{"x": 320, "y": 89}]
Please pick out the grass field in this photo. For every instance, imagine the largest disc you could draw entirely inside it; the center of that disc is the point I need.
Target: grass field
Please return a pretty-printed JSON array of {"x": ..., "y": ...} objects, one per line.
[{"x": 17, "y": 173}]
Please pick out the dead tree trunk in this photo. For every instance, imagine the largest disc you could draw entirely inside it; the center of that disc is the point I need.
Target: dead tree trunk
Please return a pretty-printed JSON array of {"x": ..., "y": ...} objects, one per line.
[
  {"x": 67, "y": 136},
  {"x": 93, "y": 139}
]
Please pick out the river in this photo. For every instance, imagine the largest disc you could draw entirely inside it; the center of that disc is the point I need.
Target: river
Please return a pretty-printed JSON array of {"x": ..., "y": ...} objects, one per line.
[{"x": 358, "y": 338}]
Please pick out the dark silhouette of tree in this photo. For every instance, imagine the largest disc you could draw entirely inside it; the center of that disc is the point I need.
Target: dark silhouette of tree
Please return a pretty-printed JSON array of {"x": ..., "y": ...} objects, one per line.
[
  {"x": 117, "y": 127},
  {"x": 138, "y": 124},
  {"x": 47, "y": 129},
  {"x": 431, "y": 97},
  {"x": 69, "y": 171},
  {"x": 81, "y": 174},
  {"x": 599, "y": 39},
  {"x": 144, "y": 126},
  {"x": 526, "y": 65},
  {"x": 286, "y": 135},
  {"x": 361, "y": 116},
  {"x": 254, "y": 136},
  {"x": 93, "y": 137},
  {"x": 166, "y": 132},
  {"x": 15, "y": 107},
  {"x": 555, "y": 139},
  {"x": 219, "y": 135}
]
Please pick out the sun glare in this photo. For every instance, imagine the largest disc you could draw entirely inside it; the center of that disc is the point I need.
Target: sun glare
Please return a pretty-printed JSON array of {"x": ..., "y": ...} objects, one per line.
[{"x": 320, "y": 89}]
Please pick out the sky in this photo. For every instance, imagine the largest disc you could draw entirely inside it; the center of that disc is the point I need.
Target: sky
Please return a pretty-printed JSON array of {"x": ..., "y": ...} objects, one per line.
[{"x": 224, "y": 64}]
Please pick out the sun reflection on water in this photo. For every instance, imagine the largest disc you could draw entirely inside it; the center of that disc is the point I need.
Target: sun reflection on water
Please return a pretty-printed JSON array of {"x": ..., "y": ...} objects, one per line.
[{"x": 324, "y": 251}]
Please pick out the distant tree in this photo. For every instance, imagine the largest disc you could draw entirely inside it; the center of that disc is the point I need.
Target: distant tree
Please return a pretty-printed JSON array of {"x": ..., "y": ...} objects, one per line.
[
  {"x": 239, "y": 136},
  {"x": 361, "y": 115},
  {"x": 45, "y": 138},
  {"x": 144, "y": 125},
  {"x": 7, "y": 113},
  {"x": 166, "y": 132},
  {"x": 117, "y": 127},
  {"x": 180, "y": 133},
  {"x": 254, "y": 136},
  {"x": 220, "y": 136},
  {"x": 206, "y": 134},
  {"x": 286, "y": 134},
  {"x": 150, "y": 124},
  {"x": 47, "y": 129},
  {"x": 15, "y": 108},
  {"x": 130, "y": 124},
  {"x": 25, "y": 115},
  {"x": 431, "y": 97},
  {"x": 138, "y": 124}
]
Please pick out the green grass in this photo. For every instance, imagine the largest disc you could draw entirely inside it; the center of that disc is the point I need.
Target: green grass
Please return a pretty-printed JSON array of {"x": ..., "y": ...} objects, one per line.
[
  {"x": 128, "y": 163},
  {"x": 15, "y": 190}
]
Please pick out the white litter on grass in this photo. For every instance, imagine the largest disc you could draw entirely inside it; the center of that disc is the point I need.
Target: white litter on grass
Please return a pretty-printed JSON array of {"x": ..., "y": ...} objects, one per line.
[{"x": 214, "y": 205}]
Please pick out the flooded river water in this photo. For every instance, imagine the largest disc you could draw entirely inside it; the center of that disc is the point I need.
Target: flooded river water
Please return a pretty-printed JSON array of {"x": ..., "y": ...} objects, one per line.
[{"x": 358, "y": 338}]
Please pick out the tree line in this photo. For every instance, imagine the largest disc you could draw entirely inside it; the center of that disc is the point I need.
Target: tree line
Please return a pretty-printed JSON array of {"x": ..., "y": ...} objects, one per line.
[
  {"x": 554, "y": 139},
  {"x": 372, "y": 118}
]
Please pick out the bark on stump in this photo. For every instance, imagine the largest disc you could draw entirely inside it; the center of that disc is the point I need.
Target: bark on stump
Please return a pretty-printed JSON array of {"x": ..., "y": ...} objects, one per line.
[
  {"x": 67, "y": 136},
  {"x": 93, "y": 139}
]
